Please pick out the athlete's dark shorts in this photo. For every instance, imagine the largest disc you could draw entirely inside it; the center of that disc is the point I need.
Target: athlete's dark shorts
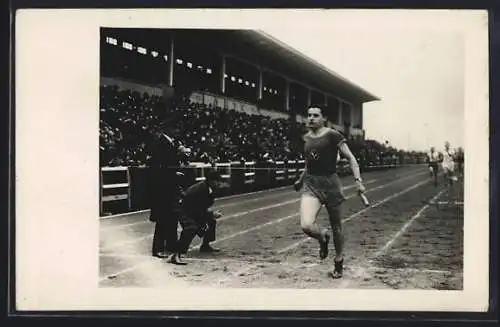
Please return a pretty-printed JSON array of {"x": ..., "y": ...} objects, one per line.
[
  {"x": 434, "y": 166},
  {"x": 327, "y": 189}
]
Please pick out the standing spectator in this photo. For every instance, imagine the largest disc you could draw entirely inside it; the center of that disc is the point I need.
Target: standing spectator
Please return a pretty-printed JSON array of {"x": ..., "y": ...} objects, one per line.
[{"x": 166, "y": 194}]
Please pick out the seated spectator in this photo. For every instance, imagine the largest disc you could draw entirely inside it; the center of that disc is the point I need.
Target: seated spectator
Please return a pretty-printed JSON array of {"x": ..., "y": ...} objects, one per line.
[{"x": 129, "y": 119}]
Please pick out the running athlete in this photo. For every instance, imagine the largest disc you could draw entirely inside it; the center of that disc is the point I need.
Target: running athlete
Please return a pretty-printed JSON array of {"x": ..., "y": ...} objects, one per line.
[
  {"x": 448, "y": 164},
  {"x": 321, "y": 185},
  {"x": 460, "y": 161},
  {"x": 433, "y": 158}
]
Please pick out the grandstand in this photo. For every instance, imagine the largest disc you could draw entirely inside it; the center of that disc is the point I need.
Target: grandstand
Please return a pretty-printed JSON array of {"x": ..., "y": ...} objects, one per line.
[{"x": 236, "y": 97}]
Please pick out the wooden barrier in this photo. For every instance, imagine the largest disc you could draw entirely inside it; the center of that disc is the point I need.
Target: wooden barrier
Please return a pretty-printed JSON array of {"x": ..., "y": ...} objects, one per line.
[
  {"x": 119, "y": 180},
  {"x": 239, "y": 177},
  {"x": 249, "y": 172},
  {"x": 280, "y": 172},
  {"x": 291, "y": 169}
]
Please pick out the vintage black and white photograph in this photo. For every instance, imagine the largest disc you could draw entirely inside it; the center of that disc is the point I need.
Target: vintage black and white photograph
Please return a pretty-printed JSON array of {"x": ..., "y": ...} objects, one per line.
[
  {"x": 232, "y": 158},
  {"x": 248, "y": 152}
]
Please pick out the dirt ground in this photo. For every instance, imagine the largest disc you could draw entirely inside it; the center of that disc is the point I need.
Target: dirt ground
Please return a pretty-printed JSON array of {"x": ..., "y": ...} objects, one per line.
[{"x": 411, "y": 237}]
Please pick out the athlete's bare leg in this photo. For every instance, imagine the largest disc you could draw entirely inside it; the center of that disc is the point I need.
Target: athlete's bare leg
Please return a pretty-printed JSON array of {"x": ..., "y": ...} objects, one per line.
[
  {"x": 449, "y": 176},
  {"x": 334, "y": 214},
  {"x": 309, "y": 209}
]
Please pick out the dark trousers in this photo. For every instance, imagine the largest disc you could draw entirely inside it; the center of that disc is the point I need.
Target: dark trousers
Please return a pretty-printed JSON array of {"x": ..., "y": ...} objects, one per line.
[
  {"x": 165, "y": 236},
  {"x": 164, "y": 195},
  {"x": 191, "y": 226}
]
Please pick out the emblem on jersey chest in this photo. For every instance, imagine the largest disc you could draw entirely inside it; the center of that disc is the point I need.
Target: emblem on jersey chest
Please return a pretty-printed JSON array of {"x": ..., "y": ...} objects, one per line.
[{"x": 314, "y": 155}]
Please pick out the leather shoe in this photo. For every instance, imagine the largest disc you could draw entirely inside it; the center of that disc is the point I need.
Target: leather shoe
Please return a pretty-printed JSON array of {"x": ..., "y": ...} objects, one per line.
[
  {"x": 208, "y": 249},
  {"x": 161, "y": 255},
  {"x": 176, "y": 260}
]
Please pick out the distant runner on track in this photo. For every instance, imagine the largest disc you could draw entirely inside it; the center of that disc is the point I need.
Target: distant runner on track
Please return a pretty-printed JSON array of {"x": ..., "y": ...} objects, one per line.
[
  {"x": 433, "y": 159},
  {"x": 448, "y": 164}
]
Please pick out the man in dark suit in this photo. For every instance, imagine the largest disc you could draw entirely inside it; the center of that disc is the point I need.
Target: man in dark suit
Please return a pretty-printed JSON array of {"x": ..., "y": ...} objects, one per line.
[
  {"x": 197, "y": 218},
  {"x": 166, "y": 193}
]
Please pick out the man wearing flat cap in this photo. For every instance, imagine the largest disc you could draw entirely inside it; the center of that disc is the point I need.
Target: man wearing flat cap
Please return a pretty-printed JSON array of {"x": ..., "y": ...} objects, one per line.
[{"x": 197, "y": 218}]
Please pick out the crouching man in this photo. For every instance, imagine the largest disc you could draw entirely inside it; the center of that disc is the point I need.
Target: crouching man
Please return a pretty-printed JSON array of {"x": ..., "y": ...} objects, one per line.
[{"x": 197, "y": 218}]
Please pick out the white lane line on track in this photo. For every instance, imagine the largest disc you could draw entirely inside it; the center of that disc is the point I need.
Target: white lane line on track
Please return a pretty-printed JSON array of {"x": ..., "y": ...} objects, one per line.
[
  {"x": 243, "y": 213},
  {"x": 287, "y": 187},
  {"x": 450, "y": 203},
  {"x": 403, "y": 229},
  {"x": 137, "y": 239},
  {"x": 239, "y": 214},
  {"x": 219, "y": 199},
  {"x": 118, "y": 215},
  {"x": 275, "y": 195},
  {"x": 278, "y": 220},
  {"x": 360, "y": 270},
  {"x": 354, "y": 215}
]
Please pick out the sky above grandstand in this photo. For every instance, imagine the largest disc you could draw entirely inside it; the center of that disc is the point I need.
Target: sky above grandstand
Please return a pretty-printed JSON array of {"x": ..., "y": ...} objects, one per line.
[{"x": 418, "y": 74}]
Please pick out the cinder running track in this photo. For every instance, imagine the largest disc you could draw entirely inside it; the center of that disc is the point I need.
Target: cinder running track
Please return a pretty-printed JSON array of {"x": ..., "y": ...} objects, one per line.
[{"x": 411, "y": 237}]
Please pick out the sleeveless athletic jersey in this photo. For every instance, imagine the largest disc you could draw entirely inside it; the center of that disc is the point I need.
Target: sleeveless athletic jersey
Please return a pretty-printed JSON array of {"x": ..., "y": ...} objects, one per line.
[
  {"x": 448, "y": 156},
  {"x": 321, "y": 152},
  {"x": 433, "y": 157}
]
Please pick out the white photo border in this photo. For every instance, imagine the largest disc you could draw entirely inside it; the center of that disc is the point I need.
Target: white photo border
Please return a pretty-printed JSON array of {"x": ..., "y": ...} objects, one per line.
[{"x": 57, "y": 122}]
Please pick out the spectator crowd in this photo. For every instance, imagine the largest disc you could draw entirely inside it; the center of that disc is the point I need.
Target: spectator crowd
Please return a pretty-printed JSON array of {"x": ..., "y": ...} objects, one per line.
[{"x": 128, "y": 121}]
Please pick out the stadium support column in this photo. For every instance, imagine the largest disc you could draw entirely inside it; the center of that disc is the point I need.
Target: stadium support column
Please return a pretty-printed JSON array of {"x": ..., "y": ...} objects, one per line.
[
  {"x": 291, "y": 109},
  {"x": 361, "y": 115},
  {"x": 259, "y": 95},
  {"x": 351, "y": 111},
  {"x": 341, "y": 123},
  {"x": 223, "y": 75},
  {"x": 308, "y": 97},
  {"x": 171, "y": 66},
  {"x": 287, "y": 97}
]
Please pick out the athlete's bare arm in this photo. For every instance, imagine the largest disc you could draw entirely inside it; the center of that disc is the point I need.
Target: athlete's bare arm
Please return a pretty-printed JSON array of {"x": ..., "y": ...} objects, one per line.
[
  {"x": 344, "y": 149},
  {"x": 298, "y": 183},
  {"x": 301, "y": 177}
]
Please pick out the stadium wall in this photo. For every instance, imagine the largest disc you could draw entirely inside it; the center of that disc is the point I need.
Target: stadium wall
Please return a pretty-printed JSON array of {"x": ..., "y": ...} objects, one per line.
[
  {"x": 356, "y": 115},
  {"x": 129, "y": 85},
  {"x": 214, "y": 100},
  {"x": 160, "y": 90},
  {"x": 210, "y": 99}
]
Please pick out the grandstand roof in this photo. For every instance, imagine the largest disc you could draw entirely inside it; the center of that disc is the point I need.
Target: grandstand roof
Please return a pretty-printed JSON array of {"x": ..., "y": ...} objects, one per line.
[
  {"x": 260, "y": 48},
  {"x": 311, "y": 70}
]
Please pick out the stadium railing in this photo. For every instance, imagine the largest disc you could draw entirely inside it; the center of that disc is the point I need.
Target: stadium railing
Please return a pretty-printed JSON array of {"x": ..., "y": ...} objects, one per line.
[
  {"x": 115, "y": 187},
  {"x": 125, "y": 189}
]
